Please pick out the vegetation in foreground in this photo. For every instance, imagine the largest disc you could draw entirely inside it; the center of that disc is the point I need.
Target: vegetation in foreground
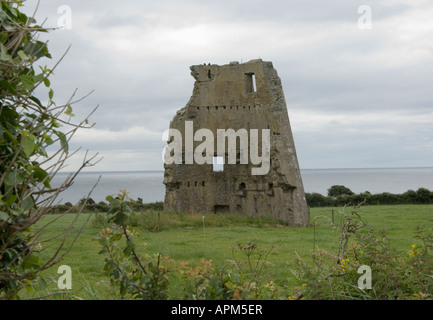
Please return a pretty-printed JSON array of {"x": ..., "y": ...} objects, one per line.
[
  {"x": 34, "y": 145},
  {"x": 337, "y": 196},
  {"x": 160, "y": 255}
]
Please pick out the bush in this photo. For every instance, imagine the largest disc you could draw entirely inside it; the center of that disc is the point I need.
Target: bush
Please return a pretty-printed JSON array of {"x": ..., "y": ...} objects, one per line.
[
  {"x": 28, "y": 128},
  {"x": 155, "y": 206},
  {"x": 337, "y": 191},
  {"x": 424, "y": 196},
  {"x": 139, "y": 275},
  {"x": 395, "y": 275},
  {"x": 340, "y": 195},
  {"x": 318, "y": 200}
]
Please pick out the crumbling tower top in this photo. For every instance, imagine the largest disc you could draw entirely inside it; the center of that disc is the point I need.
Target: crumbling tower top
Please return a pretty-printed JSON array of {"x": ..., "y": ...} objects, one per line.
[{"x": 247, "y": 83}]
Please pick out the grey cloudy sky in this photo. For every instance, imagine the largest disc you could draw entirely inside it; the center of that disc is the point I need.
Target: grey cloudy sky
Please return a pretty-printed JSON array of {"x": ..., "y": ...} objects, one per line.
[{"x": 357, "y": 98}]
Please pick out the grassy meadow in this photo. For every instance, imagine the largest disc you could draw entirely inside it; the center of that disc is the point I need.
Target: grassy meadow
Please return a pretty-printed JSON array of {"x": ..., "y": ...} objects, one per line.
[{"x": 190, "y": 238}]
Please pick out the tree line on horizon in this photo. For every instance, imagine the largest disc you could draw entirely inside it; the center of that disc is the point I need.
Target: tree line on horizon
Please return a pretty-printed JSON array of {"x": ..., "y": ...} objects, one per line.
[{"x": 339, "y": 195}]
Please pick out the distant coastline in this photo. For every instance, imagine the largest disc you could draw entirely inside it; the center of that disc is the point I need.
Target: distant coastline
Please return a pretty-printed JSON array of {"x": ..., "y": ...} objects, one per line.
[
  {"x": 302, "y": 169},
  {"x": 148, "y": 185}
]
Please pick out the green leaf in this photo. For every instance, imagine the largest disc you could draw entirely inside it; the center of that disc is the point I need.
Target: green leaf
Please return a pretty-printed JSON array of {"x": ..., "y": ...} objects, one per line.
[
  {"x": 4, "y": 55},
  {"x": 36, "y": 50},
  {"x": 116, "y": 274},
  {"x": 38, "y": 78},
  {"x": 47, "y": 82},
  {"x": 32, "y": 261},
  {"x": 129, "y": 247},
  {"x": 109, "y": 265},
  {"x": 28, "y": 145},
  {"x": 13, "y": 178},
  {"x": 63, "y": 142},
  {"x": 55, "y": 124},
  {"x": 11, "y": 200},
  {"x": 48, "y": 141},
  {"x": 3, "y": 16},
  {"x": 42, "y": 283},
  {"x": 9, "y": 86},
  {"x": 27, "y": 82},
  {"x": 123, "y": 286},
  {"x": 114, "y": 203},
  {"x": 27, "y": 204},
  {"x": 29, "y": 288},
  {"x": 37, "y": 101},
  {"x": 10, "y": 136},
  {"x": 116, "y": 237},
  {"x": 42, "y": 151},
  {"x": 32, "y": 20},
  {"x": 42, "y": 176},
  {"x": 3, "y": 216},
  {"x": 69, "y": 111},
  {"x": 120, "y": 218},
  {"x": 17, "y": 212},
  {"x": 22, "y": 55}
]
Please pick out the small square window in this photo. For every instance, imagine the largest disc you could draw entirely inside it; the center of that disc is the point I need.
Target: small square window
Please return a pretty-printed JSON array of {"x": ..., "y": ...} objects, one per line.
[{"x": 218, "y": 164}]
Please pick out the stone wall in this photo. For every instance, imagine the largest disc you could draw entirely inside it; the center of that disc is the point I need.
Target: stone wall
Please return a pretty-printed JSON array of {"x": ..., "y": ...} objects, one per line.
[{"x": 237, "y": 96}]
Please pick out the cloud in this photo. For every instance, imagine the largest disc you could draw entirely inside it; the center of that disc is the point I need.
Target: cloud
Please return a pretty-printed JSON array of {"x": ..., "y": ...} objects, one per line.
[
  {"x": 137, "y": 148},
  {"x": 117, "y": 160},
  {"x": 135, "y": 134},
  {"x": 356, "y": 98},
  {"x": 380, "y": 139}
]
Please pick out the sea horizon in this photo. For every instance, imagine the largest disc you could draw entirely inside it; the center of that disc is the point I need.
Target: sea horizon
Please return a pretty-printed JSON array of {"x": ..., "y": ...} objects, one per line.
[
  {"x": 148, "y": 184},
  {"x": 345, "y": 168}
]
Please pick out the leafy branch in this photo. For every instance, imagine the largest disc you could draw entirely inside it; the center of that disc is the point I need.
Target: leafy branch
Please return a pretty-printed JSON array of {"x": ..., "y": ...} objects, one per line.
[
  {"x": 29, "y": 130},
  {"x": 124, "y": 265}
]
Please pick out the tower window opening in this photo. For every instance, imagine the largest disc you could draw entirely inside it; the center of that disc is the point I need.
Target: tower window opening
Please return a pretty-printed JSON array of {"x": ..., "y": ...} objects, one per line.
[
  {"x": 270, "y": 191},
  {"x": 242, "y": 192},
  {"x": 218, "y": 164},
  {"x": 251, "y": 82}
]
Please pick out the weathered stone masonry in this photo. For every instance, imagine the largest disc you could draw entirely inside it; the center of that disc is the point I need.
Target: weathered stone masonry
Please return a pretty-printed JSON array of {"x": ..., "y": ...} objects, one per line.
[{"x": 239, "y": 96}]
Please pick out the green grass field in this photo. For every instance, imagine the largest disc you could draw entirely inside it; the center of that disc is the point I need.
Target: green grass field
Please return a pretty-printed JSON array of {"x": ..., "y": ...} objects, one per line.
[{"x": 182, "y": 237}]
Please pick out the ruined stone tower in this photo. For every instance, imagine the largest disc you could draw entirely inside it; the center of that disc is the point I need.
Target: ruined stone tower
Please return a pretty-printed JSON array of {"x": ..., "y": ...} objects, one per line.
[{"x": 243, "y": 97}]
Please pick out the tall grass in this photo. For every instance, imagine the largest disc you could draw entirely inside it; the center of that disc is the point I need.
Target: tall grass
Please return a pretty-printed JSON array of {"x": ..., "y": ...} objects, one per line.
[
  {"x": 156, "y": 221},
  {"x": 181, "y": 237}
]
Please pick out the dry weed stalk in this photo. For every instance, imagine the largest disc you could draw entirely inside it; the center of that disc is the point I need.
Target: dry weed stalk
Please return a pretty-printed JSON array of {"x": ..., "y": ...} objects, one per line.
[{"x": 348, "y": 226}]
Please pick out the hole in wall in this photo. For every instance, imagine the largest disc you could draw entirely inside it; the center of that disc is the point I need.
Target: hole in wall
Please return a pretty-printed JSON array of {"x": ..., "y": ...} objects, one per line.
[
  {"x": 218, "y": 163},
  {"x": 218, "y": 208},
  {"x": 251, "y": 82}
]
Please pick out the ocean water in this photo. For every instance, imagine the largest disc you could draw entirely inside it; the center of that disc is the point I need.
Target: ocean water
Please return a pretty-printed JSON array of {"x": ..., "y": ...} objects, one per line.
[{"x": 148, "y": 185}]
